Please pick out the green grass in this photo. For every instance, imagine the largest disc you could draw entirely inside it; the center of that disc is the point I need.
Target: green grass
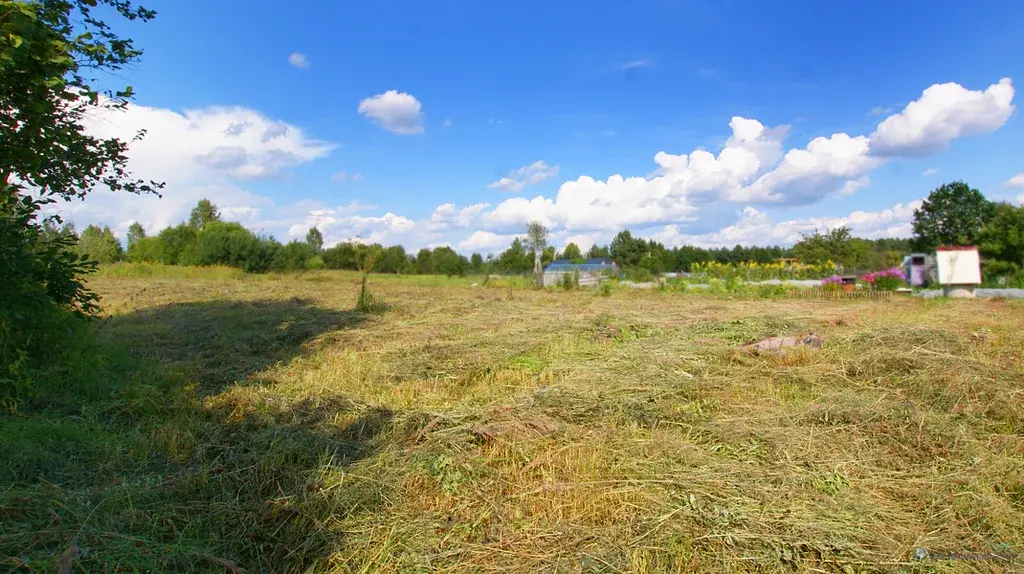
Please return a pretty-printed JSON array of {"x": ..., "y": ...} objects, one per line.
[{"x": 260, "y": 422}]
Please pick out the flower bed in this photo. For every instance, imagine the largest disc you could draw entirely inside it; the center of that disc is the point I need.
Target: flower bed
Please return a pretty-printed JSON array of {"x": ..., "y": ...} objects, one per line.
[{"x": 886, "y": 280}]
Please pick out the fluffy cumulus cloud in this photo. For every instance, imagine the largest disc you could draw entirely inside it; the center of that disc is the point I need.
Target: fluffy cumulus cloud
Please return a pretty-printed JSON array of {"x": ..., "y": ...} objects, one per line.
[
  {"x": 347, "y": 224},
  {"x": 753, "y": 168},
  {"x": 207, "y": 152},
  {"x": 447, "y": 217},
  {"x": 397, "y": 112},
  {"x": 943, "y": 113},
  {"x": 1016, "y": 182},
  {"x": 486, "y": 242},
  {"x": 709, "y": 197},
  {"x": 756, "y": 228},
  {"x": 527, "y": 175}
]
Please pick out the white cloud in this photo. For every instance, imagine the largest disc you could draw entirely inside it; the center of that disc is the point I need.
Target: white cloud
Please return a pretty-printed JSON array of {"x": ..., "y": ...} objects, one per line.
[
  {"x": 198, "y": 153},
  {"x": 1020, "y": 199},
  {"x": 344, "y": 175},
  {"x": 486, "y": 242},
  {"x": 807, "y": 175},
  {"x": 397, "y": 112},
  {"x": 929, "y": 171},
  {"x": 709, "y": 197},
  {"x": 851, "y": 187},
  {"x": 534, "y": 173},
  {"x": 756, "y": 228},
  {"x": 943, "y": 113},
  {"x": 344, "y": 224},
  {"x": 447, "y": 216},
  {"x": 298, "y": 60},
  {"x": 1016, "y": 182},
  {"x": 879, "y": 110},
  {"x": 634, "y": 64}
]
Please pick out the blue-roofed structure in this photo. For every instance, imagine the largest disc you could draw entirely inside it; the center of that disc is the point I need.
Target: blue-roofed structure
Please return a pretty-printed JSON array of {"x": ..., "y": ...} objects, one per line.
[{"x": 589, "y": 271}]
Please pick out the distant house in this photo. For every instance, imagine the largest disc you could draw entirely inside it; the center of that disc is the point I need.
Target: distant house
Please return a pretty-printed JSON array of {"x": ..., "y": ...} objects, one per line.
[{"x": 590, "y": 271}]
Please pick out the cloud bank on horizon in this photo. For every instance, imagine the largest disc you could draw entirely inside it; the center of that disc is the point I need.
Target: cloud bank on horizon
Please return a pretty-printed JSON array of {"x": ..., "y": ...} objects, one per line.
[{"x": 219, "y": 152}]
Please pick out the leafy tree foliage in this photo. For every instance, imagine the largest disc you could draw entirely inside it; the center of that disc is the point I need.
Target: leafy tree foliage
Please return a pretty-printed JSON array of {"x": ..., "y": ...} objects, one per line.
[
  {"x": 599, "y": 252},
  {"x": 1002, "y": 240},
  {"x": 341, "y": 256},
  {"x": 315, "y": 240},
  {"x": 448, "y": 262},
  {"x": 536, "y": 242},
  {"x": 476, "y": 263},
  {"x": 393, "y": 260},
  {"x": 424, "y": 262},
  {"x": 100, "y": 245},
  {"x": 203, "y": 214},
  {"x": 294, "y": 256},
  {"x": 176, "y": 241},
  {"x": 135, "y": 233},
  {"x": 952, "y": 214},
  {"x": 572, "y": 251},
  {"x": 514, "y": 259},
  {"x": 627, "y": 251},
  {"x": 47, "y": 51},
  {"x": 147, "y": 250},
  {"x": 817, "y": 247}
]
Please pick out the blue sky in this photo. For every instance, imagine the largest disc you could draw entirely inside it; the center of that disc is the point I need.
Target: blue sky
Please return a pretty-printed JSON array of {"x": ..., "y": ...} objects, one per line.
[{"x": 369, "y": 119}]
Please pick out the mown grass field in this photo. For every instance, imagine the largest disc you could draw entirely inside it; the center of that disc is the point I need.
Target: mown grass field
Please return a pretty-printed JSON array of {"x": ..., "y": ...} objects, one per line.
[{"x": 261, "y": 424}]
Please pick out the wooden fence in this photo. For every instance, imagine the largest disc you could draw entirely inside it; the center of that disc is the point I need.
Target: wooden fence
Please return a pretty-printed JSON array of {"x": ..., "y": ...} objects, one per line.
[{"x": 822, "y": 294}]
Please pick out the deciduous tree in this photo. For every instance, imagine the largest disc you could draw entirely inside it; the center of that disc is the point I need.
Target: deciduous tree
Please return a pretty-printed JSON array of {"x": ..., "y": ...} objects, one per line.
[
  {"x": 536, "y": 241},
  {"x": 952, "y": 214}
]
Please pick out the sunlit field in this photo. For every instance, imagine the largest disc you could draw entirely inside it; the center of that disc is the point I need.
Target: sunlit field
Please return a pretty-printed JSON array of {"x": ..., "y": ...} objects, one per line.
[{"x": 260, "y": 423}]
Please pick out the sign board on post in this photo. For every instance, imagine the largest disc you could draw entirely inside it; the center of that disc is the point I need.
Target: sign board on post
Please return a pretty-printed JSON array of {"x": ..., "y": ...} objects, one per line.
[{"x": 959, "y": 270}]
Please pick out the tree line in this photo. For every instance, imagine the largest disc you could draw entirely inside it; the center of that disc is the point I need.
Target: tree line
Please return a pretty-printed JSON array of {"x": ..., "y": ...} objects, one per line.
[
  {"x": 206, "y": 239},
  {"x": 953, "y": 214}
]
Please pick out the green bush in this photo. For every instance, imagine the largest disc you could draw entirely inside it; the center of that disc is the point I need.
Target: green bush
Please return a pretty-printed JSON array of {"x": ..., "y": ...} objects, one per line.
[
  {"x": 1002, "y": 274},
  {"x": 43, "y": 296},
  {"x": 175, "y": 240},
  {"x": 147, "y": 250},
  {"x": 100, "y": 245},
  {"x": 605, "y": 288},
  {"x": 638, "y": 274},
  {"x": 292, "y": 257},
  {"x": 768, "y": 291},
  {"x": 570, "y": 281}
]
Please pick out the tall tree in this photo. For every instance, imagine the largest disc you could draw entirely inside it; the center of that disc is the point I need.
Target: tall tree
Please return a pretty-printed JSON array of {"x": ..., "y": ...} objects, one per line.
[
  {"x": 424, "y": 262},
  {"x": 448, "y": 262},
  {"x": 599, "y": 252},
  {"x": 51, "y": 53},
  {"x": 100, "y": 245},
  {"x": 1002, "y": 238},
  {"x": 135, "y": 232},
  {"x": 203, "y": 214},
  {"x": 626, "y": 250},
  {"x": 513, "y": 259},
  {"x": 571, "y": 251},
  {"x": 834, "y": 245},
  {"x": 476, "y": 262},
  {"x": 315, "y": 240},
  {"x": 952, "y": 214},
  {"x": 536, "y": 241}
]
